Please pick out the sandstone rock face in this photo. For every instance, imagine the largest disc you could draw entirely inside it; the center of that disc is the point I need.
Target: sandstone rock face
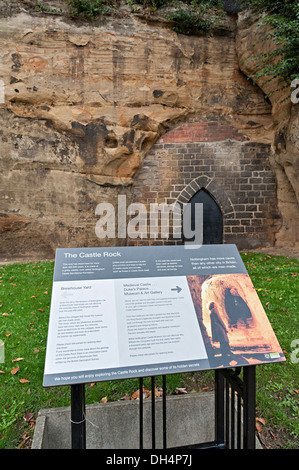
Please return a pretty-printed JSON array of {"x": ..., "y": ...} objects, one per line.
[
  {"x": 11, "y": 223},
  {"x": 285, "y": 145},
  {"x": 83, "y": 104}
]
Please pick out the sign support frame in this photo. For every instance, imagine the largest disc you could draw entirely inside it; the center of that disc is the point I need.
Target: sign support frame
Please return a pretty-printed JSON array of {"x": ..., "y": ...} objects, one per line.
[
  {"x": 227, "y": 383},
  {"x": 78, "y": 416}
]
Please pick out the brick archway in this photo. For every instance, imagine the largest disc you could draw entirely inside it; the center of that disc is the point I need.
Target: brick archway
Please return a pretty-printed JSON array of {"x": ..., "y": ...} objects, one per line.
[
  {"x": 216, "y": 192},
  {"x": 210, "y": 185},
  {"x": 214, "y": 156}
]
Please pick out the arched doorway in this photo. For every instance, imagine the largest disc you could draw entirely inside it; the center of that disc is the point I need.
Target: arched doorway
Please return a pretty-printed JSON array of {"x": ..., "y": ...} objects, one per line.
[{"x": 212, "y": 218}]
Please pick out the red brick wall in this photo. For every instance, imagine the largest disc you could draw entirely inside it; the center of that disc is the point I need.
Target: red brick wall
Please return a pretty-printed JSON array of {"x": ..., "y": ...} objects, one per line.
[
  {"x": 212, "y": 131},
  {"x": 235, "y": 171}
]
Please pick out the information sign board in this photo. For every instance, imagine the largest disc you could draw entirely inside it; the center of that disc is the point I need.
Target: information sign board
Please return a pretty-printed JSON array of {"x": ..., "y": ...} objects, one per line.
[{"x": 142, "y": 311}]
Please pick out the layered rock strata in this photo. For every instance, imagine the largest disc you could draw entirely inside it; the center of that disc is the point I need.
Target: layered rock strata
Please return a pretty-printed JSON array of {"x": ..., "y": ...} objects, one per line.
[{"x": 84, "y": 102}]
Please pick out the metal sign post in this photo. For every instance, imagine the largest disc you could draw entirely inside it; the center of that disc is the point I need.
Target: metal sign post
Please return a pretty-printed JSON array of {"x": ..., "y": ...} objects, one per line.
[{"x": 78, "y": 419}]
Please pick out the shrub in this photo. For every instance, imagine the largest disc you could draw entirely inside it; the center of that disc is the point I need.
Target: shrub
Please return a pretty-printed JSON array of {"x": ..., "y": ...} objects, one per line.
[
  {"x": 152, "y": 3},
  {"x": 88, "y": 7},
  {"x": 283, "y": 18},
  {"x": 197, "y": 16}
]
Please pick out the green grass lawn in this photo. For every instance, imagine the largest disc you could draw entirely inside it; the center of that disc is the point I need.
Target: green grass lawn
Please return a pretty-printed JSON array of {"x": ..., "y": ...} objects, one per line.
[{"x": 25, "y": 295}]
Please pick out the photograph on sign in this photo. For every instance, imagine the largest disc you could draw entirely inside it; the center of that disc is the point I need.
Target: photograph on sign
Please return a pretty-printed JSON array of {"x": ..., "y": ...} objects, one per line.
[{"x": 234, "y": 326}]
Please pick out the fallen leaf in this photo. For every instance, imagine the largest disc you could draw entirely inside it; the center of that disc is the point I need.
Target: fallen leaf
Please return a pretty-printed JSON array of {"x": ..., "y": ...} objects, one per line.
[
  {"x": 258, "y": 427},
  {"x": 273, "y": 435},
  {"x": 145, "y": 394},
  {"x": 283, "y": 310},
  {"x": 32, "y": 424},
  {"x": 17, "y": 359},
  {"x": 23, "y": 381},
  {"x": 135, "y": 395},
  {"x": 104, "y": 400},
  {"x": 28, "y": 417},
  {"x": 126, "y": 397},
  {"x": 40, "y": 309},
  {"x": 15, "y": 370},
  {"x": 296, "y": 390},
  {"x": 179, "y": 391},
  {"x": 36, "y": 351},
  {"x": 8, "y": 334},
  {"x": 23, "y": 442},
  {"x": 92, "y": 384},
  {"x": 5, "y": 314},
  {"x": 2, "y": 372},
  {"x": 261, "y": 420}
]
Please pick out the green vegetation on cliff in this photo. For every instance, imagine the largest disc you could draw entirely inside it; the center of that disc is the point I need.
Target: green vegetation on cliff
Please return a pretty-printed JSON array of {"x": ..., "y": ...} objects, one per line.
[
  {"x": 187, "y": 16},
  {"x": 192, "y": 17},
  {"x": 283, "y": 19}
]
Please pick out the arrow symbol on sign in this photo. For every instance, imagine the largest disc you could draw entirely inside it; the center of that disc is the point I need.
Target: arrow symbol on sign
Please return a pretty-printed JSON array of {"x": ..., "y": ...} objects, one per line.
[{"x": 177, "y": 288}]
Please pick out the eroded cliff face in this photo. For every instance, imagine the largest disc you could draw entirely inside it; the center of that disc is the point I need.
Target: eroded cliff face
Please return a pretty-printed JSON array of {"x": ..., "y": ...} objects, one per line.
[
  {"x": 285, "y": 145},
  {"x": 84, "y": 103}
]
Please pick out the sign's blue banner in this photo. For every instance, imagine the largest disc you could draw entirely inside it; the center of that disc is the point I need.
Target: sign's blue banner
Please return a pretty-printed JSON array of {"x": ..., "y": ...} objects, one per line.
[{"x": 149, "y": 261}]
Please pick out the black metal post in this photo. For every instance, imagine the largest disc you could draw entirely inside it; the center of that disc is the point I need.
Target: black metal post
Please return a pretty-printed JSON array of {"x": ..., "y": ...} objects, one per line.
[
  {"x": 219, "y": 408},
  {"x": 239, "y": 420},
  {"x": 153, "y": 414},
  {"x": 164, "y": 411},
  {"x": 78, "y": 421},
  {"x": 249, "y": 407},
  {"x": 141, "y": 413},
  {"x": 227, "y": 423},
  {"x": 232, "y": 417}
]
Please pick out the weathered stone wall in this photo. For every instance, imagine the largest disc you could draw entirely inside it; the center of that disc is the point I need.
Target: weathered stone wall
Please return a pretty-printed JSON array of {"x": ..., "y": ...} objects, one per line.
[
  {"x": 250, "y": 42},
  {"x": 86, "y": 101}
]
